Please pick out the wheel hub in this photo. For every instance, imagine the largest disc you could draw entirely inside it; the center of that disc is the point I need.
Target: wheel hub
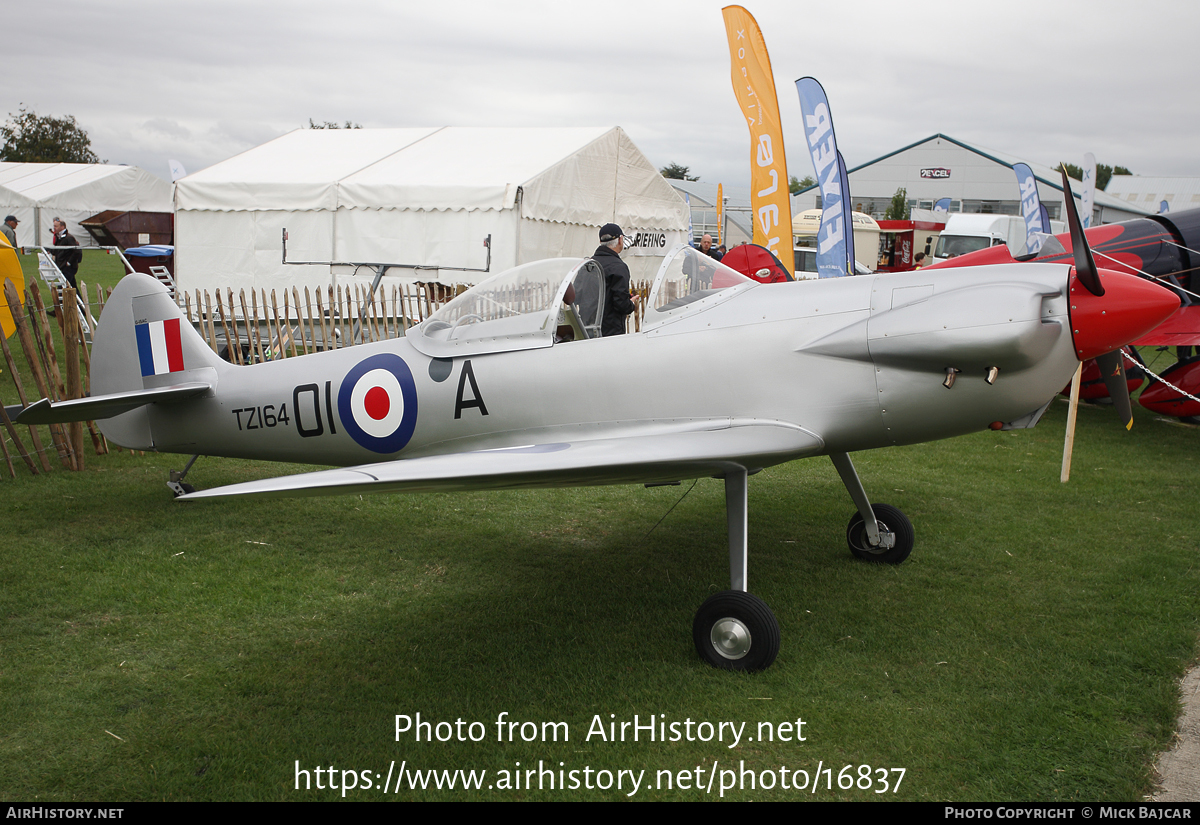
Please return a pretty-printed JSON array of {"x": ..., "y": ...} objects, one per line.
[
  {"x": 887, "y": 540},
  {"x": 730, "y": 638}
]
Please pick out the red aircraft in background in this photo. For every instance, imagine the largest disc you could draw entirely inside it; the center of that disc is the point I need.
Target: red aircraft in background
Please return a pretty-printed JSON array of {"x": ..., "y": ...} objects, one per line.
[{"x": 1163, "y": 247}]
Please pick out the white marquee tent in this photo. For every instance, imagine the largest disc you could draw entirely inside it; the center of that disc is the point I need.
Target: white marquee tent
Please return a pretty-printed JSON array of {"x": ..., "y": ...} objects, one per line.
[
  {"x": 419, "y": 197},
  {"x": 36, "y": 193}
]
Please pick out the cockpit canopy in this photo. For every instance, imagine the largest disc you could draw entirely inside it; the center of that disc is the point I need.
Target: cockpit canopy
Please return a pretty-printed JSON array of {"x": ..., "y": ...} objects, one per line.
[
  {"x": 524, "y": 307},
  {"x": 515, "y": 309},
  {"x": 687, "y": 282}
]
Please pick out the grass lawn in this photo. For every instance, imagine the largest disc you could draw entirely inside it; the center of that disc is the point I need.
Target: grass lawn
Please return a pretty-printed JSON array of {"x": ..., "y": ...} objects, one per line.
[{"x": 1028, "y": 650}]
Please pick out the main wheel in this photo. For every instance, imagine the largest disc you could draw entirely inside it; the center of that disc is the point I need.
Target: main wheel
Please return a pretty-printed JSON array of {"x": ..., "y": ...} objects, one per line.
[
  {"x": 736, "y": 631},
  {"x": 890, "y": 520}
]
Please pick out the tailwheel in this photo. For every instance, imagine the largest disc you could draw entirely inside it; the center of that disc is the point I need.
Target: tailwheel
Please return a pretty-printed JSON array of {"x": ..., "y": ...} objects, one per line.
[
  {"x": 734, "y": 630},
  {"x": 176, "y": 484},
  {"x": 895, "y": 536}
]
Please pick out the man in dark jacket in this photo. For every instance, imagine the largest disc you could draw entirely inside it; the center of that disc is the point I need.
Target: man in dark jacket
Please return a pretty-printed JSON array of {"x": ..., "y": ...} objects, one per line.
[
  {"x": 617, "y": 303},
  {"x": 67, "y": 260}
]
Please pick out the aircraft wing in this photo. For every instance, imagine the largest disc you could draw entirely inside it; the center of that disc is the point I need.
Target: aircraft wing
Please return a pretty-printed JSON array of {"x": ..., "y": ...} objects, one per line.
[
  {"x": 101, "y": 406},
  {"x": 623, "y": 460},
  {"x": 1180, "y": 330}
]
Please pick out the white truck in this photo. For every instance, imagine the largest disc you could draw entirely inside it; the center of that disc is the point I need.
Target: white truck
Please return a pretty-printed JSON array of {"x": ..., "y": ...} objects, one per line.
[{"x": 970, "y": 233}]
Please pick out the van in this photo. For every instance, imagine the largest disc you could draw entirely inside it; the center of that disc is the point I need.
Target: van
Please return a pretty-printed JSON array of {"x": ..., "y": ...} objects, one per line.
[{"x": 970, "y": 233}]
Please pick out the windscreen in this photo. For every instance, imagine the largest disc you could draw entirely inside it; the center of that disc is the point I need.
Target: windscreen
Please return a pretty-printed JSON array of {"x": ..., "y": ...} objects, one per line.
[
  {"x": 516, "y": 309},
  {"x": 687, "y": 280},
  {"x": 951, "y": 246}
]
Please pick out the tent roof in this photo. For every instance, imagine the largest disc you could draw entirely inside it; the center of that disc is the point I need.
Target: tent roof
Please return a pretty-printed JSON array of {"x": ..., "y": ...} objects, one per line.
[
  {"x": 12, "y": 200},
  {"x": 86, "y": 186},
  {"x": 578, "y": 174}
]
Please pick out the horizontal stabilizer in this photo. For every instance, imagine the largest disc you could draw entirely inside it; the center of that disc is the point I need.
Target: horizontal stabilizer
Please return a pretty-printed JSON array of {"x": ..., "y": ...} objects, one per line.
[
  {"x": 636, "y": 459},
  {"x": 99, "y": 407}
]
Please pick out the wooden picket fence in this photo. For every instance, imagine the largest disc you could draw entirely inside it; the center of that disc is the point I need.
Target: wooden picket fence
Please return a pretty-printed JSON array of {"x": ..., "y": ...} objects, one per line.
[
  {"x": 261, "y": 327},
  {"x": 35, "y": 334}
]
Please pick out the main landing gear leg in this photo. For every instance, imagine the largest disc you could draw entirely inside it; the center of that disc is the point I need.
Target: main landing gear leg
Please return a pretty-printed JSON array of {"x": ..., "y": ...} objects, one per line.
[
  {"x": 176, "y": 484},
  {"x": 733, "y": 629},
  {"x": 879, "y": 532}
]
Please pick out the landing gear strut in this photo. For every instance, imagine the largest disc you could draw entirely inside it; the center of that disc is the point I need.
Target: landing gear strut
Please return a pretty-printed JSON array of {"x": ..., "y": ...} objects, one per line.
[
  {"x": 176, "y": 485},
  {"x": 879, "y": 532},
  {"x": 737, "y": 631},
  {"x": 734, "y": 630}
]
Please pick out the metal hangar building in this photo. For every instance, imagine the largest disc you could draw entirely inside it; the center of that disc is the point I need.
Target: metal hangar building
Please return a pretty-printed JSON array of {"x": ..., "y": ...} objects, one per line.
[{"x": 976, "y": 180}]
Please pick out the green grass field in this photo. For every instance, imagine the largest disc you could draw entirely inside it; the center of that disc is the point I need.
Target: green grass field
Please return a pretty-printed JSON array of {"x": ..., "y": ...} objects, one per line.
[{"x": 1028, "y": 650}]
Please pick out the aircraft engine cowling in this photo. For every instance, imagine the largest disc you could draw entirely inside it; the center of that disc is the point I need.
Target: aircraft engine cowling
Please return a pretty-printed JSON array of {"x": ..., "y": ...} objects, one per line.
[
  {"x": 1129, "y": 308},
  {"x": 1010, "y": 326}
]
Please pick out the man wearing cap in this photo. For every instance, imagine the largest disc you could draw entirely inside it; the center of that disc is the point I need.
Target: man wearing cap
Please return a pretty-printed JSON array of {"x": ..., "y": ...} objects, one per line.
[
  {"x": 9, "y": 229},
  {"x": 618, "y": 303}
]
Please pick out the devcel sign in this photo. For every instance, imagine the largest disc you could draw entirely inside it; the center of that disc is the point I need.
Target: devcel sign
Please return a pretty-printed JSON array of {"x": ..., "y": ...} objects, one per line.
[{"x": 936, "y": 173}]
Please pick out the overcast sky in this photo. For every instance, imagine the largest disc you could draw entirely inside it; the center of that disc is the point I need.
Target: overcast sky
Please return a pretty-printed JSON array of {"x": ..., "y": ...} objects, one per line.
[{"x": 202, "y": 81}]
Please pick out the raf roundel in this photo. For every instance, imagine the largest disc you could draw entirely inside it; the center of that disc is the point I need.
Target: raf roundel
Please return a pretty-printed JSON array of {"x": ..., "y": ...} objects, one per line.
[{"x": 377, "y": 403}]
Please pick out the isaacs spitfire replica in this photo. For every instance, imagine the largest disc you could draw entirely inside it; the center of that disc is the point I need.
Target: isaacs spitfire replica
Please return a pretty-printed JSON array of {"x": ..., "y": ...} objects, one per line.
[{"x": 491, "y": 392}]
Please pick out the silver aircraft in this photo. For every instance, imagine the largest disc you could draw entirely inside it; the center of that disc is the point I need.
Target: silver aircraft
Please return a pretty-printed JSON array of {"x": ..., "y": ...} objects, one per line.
[{"x": 510, "y": 386}]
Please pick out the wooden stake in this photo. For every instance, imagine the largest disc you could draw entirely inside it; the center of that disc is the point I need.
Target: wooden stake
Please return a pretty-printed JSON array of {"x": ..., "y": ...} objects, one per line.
[
  {"x": 257, "y": 332},
  {"x": 56, "y": 301},
  {"x": 27, "y": 338},
  {"x": 19, "y": 319},
  {"x": 208, "y": 319},
  {"x": 246, "y": 322},
  {"x": 74, "y": 385},
  {"x": 54, "y": 376},
  {"x": 391, "y": 320},
  {"x": 312, "y": 330},
  {"x": 324, "y": 326},
  {"x": 344, "y": 314},
  {"x": 347, "y": 327},
  {"x": 287, "y": 316},
  {"x": 85, "y": 352},
  {"x": 229, "y": 353},
  {"x": 237, "y": 333},
  {"x": 1072, "y": 409},
  {"x": 277, "y": 347},
  {"x": 40, "y": 324},
  {"x": 12, "y": 432},
  {"x": 372, "y": 307}
]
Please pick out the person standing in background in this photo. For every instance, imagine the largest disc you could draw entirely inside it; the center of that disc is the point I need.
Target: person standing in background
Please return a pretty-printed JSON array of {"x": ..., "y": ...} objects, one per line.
[{"x": 67, "y": 260}]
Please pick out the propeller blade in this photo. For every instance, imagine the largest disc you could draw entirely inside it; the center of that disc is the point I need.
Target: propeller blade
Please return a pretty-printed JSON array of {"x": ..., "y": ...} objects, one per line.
[
  {"x": 1085, "y": 264},
  {"x": 1112, "y": 368}
]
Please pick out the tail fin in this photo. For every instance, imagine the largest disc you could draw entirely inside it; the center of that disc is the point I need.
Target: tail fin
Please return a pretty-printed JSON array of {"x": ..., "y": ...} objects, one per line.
[{"x": 143, "y": 342}]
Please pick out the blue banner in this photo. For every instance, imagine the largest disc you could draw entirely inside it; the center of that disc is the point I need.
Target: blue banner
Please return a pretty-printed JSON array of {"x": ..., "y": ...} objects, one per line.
[
  {"x": 1163, "y": 207},
  {"x": 1031, "y": 209},
  {"x": 942, "y": 206},
  {"x": 835, "y": 237},
  {"x": 849, "y": 212}
]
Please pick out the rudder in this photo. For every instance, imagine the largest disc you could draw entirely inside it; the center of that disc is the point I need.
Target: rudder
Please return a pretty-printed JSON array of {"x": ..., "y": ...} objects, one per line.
[{"x": 142, "y": 341}]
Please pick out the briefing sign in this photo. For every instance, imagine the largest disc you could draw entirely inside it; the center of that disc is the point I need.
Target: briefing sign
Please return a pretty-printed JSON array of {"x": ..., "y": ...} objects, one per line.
[{"x": 653, "y": 242}]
